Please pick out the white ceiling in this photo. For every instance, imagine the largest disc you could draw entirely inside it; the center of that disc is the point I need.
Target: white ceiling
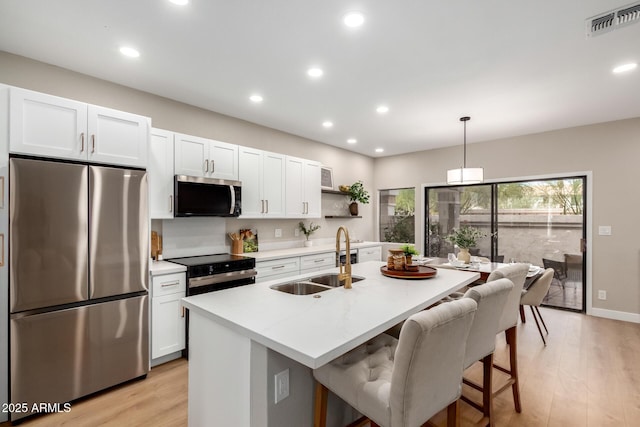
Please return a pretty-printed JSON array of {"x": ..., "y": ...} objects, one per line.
[{"x": 516, "y": 67}]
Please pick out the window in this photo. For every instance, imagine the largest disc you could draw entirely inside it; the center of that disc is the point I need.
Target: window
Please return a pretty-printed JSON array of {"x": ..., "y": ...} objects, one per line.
[{"x": 397, "y": 215}]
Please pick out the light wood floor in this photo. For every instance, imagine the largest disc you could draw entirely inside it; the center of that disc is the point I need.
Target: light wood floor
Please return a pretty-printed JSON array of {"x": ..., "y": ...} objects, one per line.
[{"x": 588, "y": 375}]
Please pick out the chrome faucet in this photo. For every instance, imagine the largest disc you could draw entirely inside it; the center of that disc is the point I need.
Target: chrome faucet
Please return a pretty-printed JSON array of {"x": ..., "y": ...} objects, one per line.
[{"x": 346, "y": 274}]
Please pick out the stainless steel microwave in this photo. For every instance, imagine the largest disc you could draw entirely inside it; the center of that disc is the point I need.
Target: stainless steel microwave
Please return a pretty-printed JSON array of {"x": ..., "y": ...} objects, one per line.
[{"x": 198, "y": 196}]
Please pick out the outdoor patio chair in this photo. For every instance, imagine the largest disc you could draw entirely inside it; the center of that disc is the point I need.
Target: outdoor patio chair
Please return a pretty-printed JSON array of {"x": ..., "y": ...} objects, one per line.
[{"x": 559, "y": 270}]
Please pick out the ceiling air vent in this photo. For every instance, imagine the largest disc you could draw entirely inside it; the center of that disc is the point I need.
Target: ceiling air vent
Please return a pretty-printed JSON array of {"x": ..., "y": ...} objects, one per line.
[{"x": 613, "y": 19}]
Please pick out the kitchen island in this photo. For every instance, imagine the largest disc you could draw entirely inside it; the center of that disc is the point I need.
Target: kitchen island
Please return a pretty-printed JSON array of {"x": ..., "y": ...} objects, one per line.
[{"x": 241, "y": 337}]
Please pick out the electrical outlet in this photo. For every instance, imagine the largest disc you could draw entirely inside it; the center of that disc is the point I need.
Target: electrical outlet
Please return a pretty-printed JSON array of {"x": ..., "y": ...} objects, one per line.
[
  {"x": 281, "y": 381},
  {"x": 602, "y": 295},
  {"x": 296, "y": 232},
  {"x": 278, "y": 232}
]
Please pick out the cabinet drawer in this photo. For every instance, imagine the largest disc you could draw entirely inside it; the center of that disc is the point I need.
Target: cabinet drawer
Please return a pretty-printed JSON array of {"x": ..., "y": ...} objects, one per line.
[
  {"x": 278, "y": 267},
  {"x": 169, "y": 284},
  {"x": 370, "y": 254},
  {"x": 317, "y": 261}
]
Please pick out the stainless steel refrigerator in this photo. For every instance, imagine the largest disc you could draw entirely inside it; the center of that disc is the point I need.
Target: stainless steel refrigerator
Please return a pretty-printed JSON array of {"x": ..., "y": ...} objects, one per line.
[{"x": 78, "y": 280}]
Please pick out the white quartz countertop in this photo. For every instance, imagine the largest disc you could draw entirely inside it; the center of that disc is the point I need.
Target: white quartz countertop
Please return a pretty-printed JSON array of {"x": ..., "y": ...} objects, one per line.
[
  {"x": 314, "y": 331},
  {"x": 311, "y": 250},
  {"x": 158, "y": 268}
]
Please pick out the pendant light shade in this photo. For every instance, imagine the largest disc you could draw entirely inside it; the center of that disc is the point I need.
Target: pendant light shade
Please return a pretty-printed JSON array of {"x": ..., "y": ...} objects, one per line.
[{"x": 465, "y": 175}]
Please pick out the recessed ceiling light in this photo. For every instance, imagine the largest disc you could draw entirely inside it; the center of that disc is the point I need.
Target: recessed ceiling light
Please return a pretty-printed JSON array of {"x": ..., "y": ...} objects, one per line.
[
  {"x": 351, "y": 141},
  {"x": 327, "y": 124},
  {"x": 256, "y": 98},
  {"x": 625, "y": 67},
  {"x": 315, "y": 72},
  {"x": 353, "y": 19},
  {"x": 129, "y": 51},
  {"x": 180, "y": 2},
  {"x": 379, "y": 150},
  {"x": 382, "y": 109}
]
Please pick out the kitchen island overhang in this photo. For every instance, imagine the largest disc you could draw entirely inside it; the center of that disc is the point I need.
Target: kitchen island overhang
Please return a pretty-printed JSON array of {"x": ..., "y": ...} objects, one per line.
[{"x": 235, "y": 335}]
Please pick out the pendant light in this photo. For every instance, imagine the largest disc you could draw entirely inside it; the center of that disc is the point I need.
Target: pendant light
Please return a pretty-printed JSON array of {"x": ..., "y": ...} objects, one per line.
[{"x": 465, "y": 175}]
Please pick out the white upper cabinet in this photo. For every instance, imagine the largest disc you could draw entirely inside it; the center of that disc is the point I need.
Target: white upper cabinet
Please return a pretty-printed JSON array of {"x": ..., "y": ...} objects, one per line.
[
  {"x": 262, "y": 176},
  {"x": 117, "y": 137},
  {"x": 303, "y": 188},
  {"x": 46, "y": 125},
  {"x": 160, "y": 173},
  {"x": 204, "y": 157}
]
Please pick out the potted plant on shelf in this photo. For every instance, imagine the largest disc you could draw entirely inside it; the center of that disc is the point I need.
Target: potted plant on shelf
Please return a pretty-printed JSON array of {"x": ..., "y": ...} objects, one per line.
[
  {"x": 308, "y": 231},
  {"x": 409, "y": 252},
  {"x": 357, "y": 194},
  {"x": 464, "y": 238}
]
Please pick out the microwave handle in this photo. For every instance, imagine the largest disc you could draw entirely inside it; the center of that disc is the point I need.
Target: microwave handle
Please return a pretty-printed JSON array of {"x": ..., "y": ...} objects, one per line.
[{"x": 233, "y": 199}]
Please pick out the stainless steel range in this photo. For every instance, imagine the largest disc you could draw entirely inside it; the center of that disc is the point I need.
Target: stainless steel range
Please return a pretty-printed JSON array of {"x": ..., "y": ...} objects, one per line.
[{"x": 210, "y": 273}]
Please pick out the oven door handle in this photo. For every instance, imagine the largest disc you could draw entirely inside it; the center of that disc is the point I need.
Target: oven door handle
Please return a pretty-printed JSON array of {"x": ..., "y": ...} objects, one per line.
[{"x": 196, "y": 282}]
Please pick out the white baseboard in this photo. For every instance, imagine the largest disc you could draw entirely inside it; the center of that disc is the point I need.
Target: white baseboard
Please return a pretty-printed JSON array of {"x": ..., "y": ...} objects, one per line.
[{"x": 615, "y": 315}]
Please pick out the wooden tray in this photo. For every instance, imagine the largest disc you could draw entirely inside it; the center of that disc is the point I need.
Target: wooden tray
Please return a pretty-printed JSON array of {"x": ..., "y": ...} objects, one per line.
[{"x": 423, "y": 273}]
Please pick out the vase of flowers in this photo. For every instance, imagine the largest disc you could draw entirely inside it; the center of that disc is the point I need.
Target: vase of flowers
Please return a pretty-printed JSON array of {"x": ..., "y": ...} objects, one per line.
[
  {"x": 308, "y": 231},
  {"x": 464, "y": 238}
]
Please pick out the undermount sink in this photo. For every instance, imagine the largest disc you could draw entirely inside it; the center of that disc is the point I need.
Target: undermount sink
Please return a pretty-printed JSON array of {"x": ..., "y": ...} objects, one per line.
[
  {"x": 300, "y": 288},
  {"x": 313, "y": 285},
  {"x": 332, "y": 280}
]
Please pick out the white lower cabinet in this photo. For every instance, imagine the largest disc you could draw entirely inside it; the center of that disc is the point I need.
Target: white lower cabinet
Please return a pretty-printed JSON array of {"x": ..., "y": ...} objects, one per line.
[
  {"x": 373, "y": 253},
  {"x": 317, "y": 262},
  {"x": 167, "y": 314},
  {"x": 277, "y": 268}
]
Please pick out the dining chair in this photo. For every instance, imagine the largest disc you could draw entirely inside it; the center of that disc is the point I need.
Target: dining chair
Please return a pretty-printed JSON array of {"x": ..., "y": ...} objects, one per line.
[
  {"x": 491, "y": 298},
  {"x": 517, "y": 273},
  {"x": 533, "y": 298},
  {"x": 403, "y": 382}
]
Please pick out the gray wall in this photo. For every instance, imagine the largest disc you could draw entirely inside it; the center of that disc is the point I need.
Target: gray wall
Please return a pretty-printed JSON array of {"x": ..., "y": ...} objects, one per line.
[{"x": 610, "y": 151}]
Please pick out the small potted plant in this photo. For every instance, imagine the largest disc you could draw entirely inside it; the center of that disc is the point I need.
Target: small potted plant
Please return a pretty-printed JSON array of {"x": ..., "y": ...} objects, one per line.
[
  {"x": 308, "y": 231},
  {"x": 465, "y": 238},
  {"x": 409, "y": 252},
  {"x": 357, "y": 194}
]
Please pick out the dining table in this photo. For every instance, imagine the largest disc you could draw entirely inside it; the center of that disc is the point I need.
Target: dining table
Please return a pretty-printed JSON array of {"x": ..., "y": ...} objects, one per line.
[{"x": 482, "y": 267}]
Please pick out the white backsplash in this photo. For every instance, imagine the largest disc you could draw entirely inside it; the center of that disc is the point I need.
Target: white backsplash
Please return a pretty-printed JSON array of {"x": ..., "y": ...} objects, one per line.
[{"x": 193, "y": 236}]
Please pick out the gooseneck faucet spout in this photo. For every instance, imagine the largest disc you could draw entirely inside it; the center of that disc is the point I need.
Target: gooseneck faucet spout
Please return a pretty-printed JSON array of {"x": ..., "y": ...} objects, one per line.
[{"x": 344, "y": 274}]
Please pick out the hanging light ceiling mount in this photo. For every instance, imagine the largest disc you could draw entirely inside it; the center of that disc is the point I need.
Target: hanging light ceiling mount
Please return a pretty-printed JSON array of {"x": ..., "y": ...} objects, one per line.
[{"x": 465, "y": 175}]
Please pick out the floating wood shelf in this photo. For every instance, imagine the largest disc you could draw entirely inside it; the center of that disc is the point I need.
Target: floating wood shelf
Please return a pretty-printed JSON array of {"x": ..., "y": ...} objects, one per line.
[
  {"x": 342, "y": 216},
  {"x": 342, "y": 193}
]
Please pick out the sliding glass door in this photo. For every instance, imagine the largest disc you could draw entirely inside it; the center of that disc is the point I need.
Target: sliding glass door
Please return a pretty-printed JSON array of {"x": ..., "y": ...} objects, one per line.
[{"x": 541, "y": 222}]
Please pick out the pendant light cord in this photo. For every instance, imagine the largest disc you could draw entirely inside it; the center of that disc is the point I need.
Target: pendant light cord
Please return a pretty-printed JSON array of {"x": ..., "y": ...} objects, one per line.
[{"x": 464, "y": 158}]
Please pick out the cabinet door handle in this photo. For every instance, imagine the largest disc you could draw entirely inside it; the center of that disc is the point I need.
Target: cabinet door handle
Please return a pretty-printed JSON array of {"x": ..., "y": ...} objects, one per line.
[
  {"x": 170, "y": 203},
  {"x": 93, "y": 143},
  {"x": 2, "y": 249},
  {"x": 2, "y": 189},
  {"x": 213, "y": 166},
  {"x": 182, "y": 311},
  {"x": 206, "y": 165},
  {"x": 277, "y": 267},
  {"x": 166, "y": 285},
  {"x": 318, "y": 260},
  {"x": 261, "y": 206},
  {"x": 82, "y": 142},
  {"x": 267, "y": 202}
]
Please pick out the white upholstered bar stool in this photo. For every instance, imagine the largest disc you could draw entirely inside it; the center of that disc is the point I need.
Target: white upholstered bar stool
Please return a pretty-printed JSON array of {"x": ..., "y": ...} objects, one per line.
[
  {"x": 517, "y": 273},
  {"x": 403, "y": 383},
  {"x": 491, "y": 298},
  {"x": 533, "y": 298}
]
